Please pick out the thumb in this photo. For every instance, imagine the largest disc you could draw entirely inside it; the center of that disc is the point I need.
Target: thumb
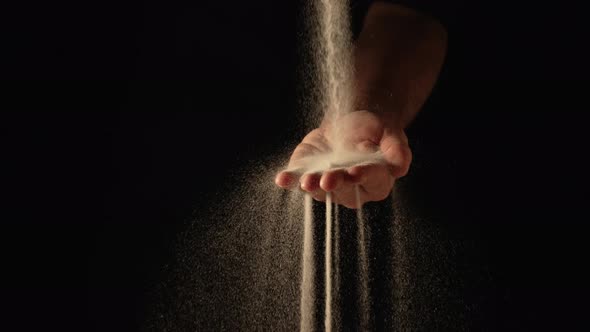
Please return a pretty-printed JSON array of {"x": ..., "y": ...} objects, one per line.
[{"x": 397, "y": 153}]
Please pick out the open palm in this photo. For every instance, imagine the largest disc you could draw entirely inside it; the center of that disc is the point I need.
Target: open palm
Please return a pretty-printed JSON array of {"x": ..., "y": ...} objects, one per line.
[{"x": 376, "y": 154}]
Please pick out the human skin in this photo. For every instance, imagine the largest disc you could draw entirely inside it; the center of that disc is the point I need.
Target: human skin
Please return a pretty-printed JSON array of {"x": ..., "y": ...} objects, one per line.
[{"x": 397, "y": 56}]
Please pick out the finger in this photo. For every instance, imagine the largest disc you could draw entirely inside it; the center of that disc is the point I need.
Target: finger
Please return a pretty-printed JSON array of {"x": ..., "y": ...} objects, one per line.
[
  {"x": 398, "y": 155},
  {"x": 286, "y": 180},
  {"x": 345, "y": 195},
  {"x": 318, "y": 195},
  {"x": 375, "y": 181},
  {"x": 332, "y": 180},
  {"x": 310, "y": 182}
]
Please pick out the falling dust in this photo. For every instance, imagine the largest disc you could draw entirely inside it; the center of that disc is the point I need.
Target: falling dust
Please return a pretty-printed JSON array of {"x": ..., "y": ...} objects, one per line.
[
  {"x": 328, "y": 265},
  {"x": 254, "y": 261}
]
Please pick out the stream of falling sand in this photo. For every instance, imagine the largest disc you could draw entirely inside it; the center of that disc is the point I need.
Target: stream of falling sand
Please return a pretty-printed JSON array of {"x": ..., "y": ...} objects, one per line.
[
  {"x": 328, "y": 255},
  {"x": 363, "y": 244},
  {"x": 336, "y": 282},
  {"x": 308, "y": 282},
  {"x": 331, "y": 256},
  {"x": 335, "y": 59}
]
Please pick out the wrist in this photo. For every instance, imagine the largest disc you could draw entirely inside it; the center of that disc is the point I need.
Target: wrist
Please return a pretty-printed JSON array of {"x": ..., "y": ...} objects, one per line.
[{"x": 392, "y": 111}]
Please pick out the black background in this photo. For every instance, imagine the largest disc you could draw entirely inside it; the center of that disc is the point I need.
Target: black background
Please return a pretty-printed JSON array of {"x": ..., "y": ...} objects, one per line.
[{"x": 111, "y": 106}]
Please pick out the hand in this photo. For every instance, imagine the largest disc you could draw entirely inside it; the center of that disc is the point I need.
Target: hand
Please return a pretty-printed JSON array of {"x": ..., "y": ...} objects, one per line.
[{"x": 360, "y": 132}]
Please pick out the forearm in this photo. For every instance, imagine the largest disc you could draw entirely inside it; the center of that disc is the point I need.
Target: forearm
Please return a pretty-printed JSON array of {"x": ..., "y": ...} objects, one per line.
[{"x": 398, "y": 56}]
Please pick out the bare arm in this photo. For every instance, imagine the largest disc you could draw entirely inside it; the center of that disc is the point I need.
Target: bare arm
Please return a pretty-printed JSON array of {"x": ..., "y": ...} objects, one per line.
[{"x": 398, "y": 56}]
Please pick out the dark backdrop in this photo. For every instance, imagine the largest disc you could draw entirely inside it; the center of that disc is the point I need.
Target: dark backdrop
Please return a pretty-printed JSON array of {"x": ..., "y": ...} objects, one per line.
[{"x": 112, "y": 106}]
